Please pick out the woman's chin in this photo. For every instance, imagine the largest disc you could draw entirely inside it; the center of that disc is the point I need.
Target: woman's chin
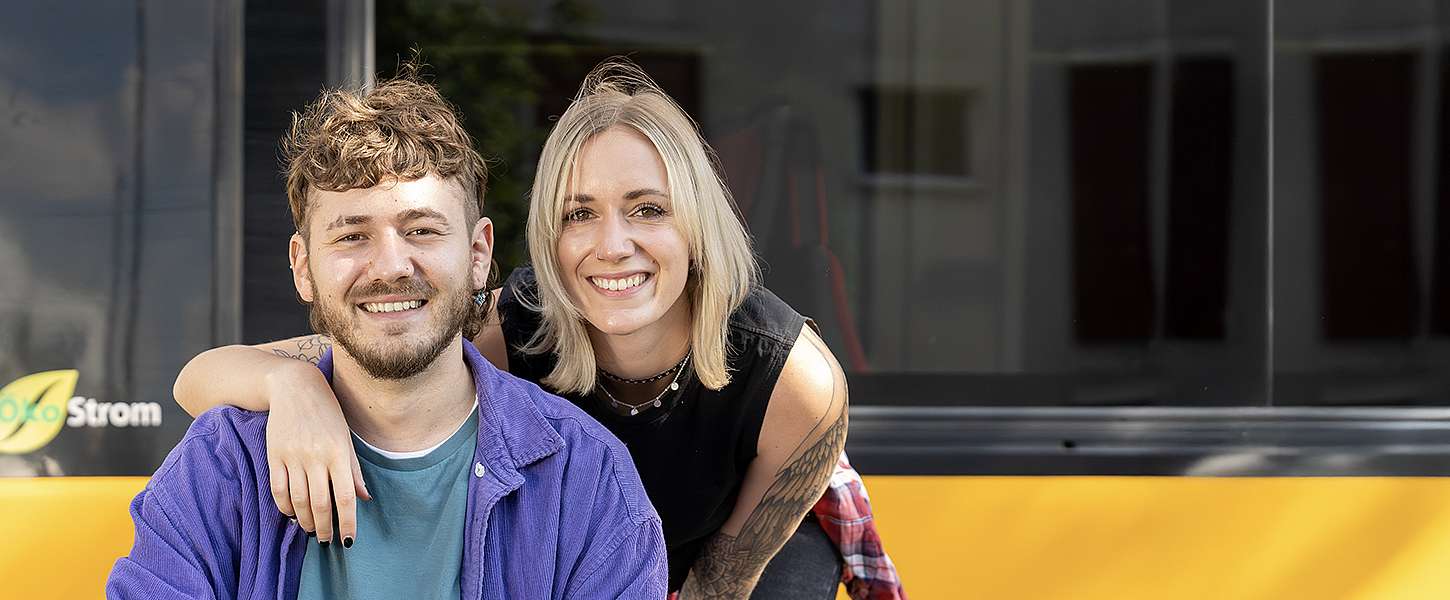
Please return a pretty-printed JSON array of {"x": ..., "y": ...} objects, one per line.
[{"x": 621, "y": 322}]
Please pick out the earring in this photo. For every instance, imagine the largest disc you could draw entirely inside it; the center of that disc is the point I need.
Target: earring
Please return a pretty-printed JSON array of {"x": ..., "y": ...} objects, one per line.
[{"x": 479, "y": 297}]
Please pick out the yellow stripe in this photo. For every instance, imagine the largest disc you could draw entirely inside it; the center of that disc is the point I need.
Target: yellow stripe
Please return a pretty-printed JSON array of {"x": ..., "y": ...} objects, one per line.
[
  {"x": 969, "y": 537},
  {"x": 59, "y": 536},
  {"x": 1114, "y": 538}
]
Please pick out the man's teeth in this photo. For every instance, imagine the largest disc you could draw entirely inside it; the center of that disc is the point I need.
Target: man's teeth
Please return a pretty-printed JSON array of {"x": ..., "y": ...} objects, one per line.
[
  {"x": 383, "y": 307},
  {"x": 623, "y": 283}
]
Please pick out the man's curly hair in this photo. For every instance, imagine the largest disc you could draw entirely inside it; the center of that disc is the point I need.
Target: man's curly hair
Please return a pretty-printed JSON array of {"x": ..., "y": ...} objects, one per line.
[{"x": 401, "y": 129}]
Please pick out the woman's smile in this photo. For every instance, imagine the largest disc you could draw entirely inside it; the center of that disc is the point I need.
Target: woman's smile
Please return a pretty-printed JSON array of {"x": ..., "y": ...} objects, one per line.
[{"x": 620, "y": 286}]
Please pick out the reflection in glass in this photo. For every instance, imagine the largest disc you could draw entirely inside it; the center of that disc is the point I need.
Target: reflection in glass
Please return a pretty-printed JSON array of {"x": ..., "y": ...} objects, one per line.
[
  {"x": 986, "y": 203},
  {"x": 1357, "y": 165}
]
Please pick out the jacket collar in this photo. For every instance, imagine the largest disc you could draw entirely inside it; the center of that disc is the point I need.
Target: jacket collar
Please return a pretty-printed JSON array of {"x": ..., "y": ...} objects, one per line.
[{"x": 512, "y": 433}]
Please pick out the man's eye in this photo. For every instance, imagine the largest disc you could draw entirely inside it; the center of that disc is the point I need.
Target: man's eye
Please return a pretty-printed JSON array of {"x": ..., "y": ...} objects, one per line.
[
  {"x": 351, "y": 237},
  {"x": 422, "y": 231}
]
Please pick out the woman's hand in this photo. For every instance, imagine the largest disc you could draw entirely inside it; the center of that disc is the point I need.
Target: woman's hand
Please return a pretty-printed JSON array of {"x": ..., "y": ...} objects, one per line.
[{"x": 310, "y": 453}]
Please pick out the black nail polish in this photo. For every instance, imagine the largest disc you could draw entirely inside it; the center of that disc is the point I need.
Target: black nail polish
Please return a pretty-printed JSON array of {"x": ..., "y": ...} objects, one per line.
[
  {"x": 322, "y": 543},
  {"x": 347, "y": 541},
  {"x": 312, "y": 534}
]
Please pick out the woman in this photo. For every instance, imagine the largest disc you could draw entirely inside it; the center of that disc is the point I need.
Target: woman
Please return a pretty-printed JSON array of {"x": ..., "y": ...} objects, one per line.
[{"x": 643, "y": 307}]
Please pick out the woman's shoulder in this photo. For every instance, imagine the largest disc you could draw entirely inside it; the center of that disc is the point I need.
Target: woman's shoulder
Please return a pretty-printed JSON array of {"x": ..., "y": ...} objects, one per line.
[
  {"x": 809, "y": 400},
  {"x": 764, "y": 314},
  {"x": 519, "y": 320},
  {"x": 518, "y": 305},
  {"x": 519, "y": 289}
]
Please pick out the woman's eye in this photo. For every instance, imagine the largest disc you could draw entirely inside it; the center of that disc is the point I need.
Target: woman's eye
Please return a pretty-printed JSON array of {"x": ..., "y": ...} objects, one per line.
[
  {"x": 577, "y": 215},
  {"x": 649, "y": 211}
]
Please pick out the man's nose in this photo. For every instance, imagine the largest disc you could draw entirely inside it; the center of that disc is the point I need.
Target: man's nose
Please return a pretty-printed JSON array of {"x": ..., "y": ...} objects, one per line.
[
  {"x": 616, "y": 240},
  {"x": 392, "y": 258}
]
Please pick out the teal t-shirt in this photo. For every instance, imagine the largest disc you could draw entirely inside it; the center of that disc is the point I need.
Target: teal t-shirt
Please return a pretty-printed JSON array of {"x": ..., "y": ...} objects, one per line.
[{"x": 409, "y": 536}]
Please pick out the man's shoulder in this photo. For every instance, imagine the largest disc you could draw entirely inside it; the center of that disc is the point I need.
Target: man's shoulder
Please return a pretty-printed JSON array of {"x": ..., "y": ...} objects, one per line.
[
  {"x": 586, "y": 444},
  {"x": 575, "y": 426},
  {"x": 218, "y": 443}
]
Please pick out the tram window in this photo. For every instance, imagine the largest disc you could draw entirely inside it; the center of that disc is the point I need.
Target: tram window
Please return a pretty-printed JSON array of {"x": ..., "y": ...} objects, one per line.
[
  {"x": 1357, "y": 160},
  {"x": 116, "y": 187},
  {"x": 915, "y": 132},
  {"x": 1110, "y": 120},
  {"x": 1365, "y": 120},
  {"x": 981, "y": 203},
  {"x": 1440, "y": 295},
  {"x": 1201, "y": 180}
]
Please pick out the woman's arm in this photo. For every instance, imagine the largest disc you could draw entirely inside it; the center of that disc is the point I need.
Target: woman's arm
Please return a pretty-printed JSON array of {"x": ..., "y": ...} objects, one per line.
[
  {"x": 803, "y": 434},
  {"x": 310, "y": 458},
  {"x": 229, "y": 375},
  {"x": 309, "y": 446}
]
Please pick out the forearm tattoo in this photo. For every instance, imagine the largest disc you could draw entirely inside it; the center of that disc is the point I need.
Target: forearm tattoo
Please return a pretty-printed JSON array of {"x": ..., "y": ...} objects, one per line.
[
  {"x": 729, "y": 566},
  {"x": 310, "y": 348}
]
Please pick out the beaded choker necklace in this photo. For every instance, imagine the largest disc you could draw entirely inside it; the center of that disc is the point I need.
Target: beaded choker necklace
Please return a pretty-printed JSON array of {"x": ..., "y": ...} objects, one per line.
[
  {"x": 648, "y": 404},
  {"x": 662, "y": 374}
]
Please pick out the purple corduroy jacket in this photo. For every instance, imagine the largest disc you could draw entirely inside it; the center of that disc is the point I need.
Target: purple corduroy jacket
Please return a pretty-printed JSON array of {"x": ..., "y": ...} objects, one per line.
[{"x": 557, "y": 512}]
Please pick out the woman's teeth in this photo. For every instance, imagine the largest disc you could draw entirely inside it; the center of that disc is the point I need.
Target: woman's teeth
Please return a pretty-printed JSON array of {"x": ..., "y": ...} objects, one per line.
[
  {"x": 384, "y": 307},
  {"x": 615, "y": 285}
]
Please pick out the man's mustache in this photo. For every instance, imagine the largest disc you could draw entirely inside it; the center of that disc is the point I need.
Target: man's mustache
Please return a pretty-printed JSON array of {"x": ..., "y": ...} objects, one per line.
[{"x": 407, "y": 287}]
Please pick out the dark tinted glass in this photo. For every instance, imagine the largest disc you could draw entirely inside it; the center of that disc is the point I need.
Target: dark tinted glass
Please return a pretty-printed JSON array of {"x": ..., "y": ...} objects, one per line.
[
  {"x": 111, "y": 147},
  {"x": 1358, "y": 247},
  {"x": 982, "y": 203}
]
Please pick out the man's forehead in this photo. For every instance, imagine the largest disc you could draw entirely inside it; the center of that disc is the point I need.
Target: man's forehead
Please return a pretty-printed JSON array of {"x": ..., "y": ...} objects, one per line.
[{"x": 427, "y": 197}]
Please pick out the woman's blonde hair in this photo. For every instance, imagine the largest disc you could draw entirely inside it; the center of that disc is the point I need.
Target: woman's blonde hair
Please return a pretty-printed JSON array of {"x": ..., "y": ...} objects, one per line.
[{"x": 723, "y": 268}]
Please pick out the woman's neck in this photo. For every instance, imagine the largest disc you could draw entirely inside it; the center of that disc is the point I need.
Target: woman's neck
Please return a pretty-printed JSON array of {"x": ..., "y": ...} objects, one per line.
[{"x": 648, "y": 350}]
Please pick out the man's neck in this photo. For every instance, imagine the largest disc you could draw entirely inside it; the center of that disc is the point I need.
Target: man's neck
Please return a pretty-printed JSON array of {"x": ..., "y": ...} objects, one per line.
[{"x": 405, "y": 415}]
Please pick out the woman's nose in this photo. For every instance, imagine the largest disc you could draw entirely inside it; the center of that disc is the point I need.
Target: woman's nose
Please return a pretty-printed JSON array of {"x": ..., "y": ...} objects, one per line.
[{"x": 615, "y": 240}]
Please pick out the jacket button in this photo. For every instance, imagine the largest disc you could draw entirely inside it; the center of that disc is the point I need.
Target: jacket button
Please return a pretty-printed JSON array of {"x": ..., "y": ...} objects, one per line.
[{"x": 478, "y": 469}]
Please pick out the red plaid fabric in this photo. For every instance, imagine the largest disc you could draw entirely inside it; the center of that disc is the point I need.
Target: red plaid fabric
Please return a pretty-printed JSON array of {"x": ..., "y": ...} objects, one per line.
[{"x": 845, "y": 513}]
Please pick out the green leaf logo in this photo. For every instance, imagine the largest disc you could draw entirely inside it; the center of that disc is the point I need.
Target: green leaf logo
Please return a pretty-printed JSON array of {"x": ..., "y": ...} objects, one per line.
[{"x": 33, "y": 409}]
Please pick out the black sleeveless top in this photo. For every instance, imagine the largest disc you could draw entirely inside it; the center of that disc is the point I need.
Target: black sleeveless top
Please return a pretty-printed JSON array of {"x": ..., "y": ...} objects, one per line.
[{"x": 693, "y": 452}]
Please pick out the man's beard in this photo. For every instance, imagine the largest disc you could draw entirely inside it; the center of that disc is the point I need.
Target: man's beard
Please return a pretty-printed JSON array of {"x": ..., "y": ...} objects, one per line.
[{"x": 388, "y": 358}]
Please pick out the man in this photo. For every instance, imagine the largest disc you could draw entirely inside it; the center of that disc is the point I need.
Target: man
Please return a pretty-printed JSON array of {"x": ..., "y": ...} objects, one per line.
[{"x": 482, "y": 485}]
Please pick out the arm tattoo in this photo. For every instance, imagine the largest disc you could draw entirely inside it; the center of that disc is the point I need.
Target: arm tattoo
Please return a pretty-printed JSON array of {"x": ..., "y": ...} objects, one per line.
[
  {"x": 310, "y": 348},
  {"x": 728, "y": 566}
]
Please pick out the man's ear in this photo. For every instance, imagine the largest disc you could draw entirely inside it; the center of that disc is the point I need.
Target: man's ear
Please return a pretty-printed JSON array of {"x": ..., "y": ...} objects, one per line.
[
  {"x": 482, "y": 252},
  {"x": 301, "y": 274}
]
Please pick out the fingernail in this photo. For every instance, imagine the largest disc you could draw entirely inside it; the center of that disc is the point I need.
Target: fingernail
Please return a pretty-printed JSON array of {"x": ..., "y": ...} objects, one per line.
[
  {"x": 347, "y": 541},
  {"x": 322, "y": 543},
  {"x": 312, "y": 534}
]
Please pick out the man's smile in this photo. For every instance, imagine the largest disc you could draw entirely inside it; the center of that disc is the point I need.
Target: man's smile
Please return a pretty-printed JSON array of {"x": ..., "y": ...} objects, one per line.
[{"x": 390, "y": 307}]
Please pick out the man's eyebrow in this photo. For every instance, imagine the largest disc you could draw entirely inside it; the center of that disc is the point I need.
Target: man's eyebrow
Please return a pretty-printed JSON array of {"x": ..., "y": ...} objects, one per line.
[
  {"x": 636, "y": 194},
  {"x": 348, "y": 220},
  {"x": 411, "y": 214},
  {"x": 414, "y": 214}
]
